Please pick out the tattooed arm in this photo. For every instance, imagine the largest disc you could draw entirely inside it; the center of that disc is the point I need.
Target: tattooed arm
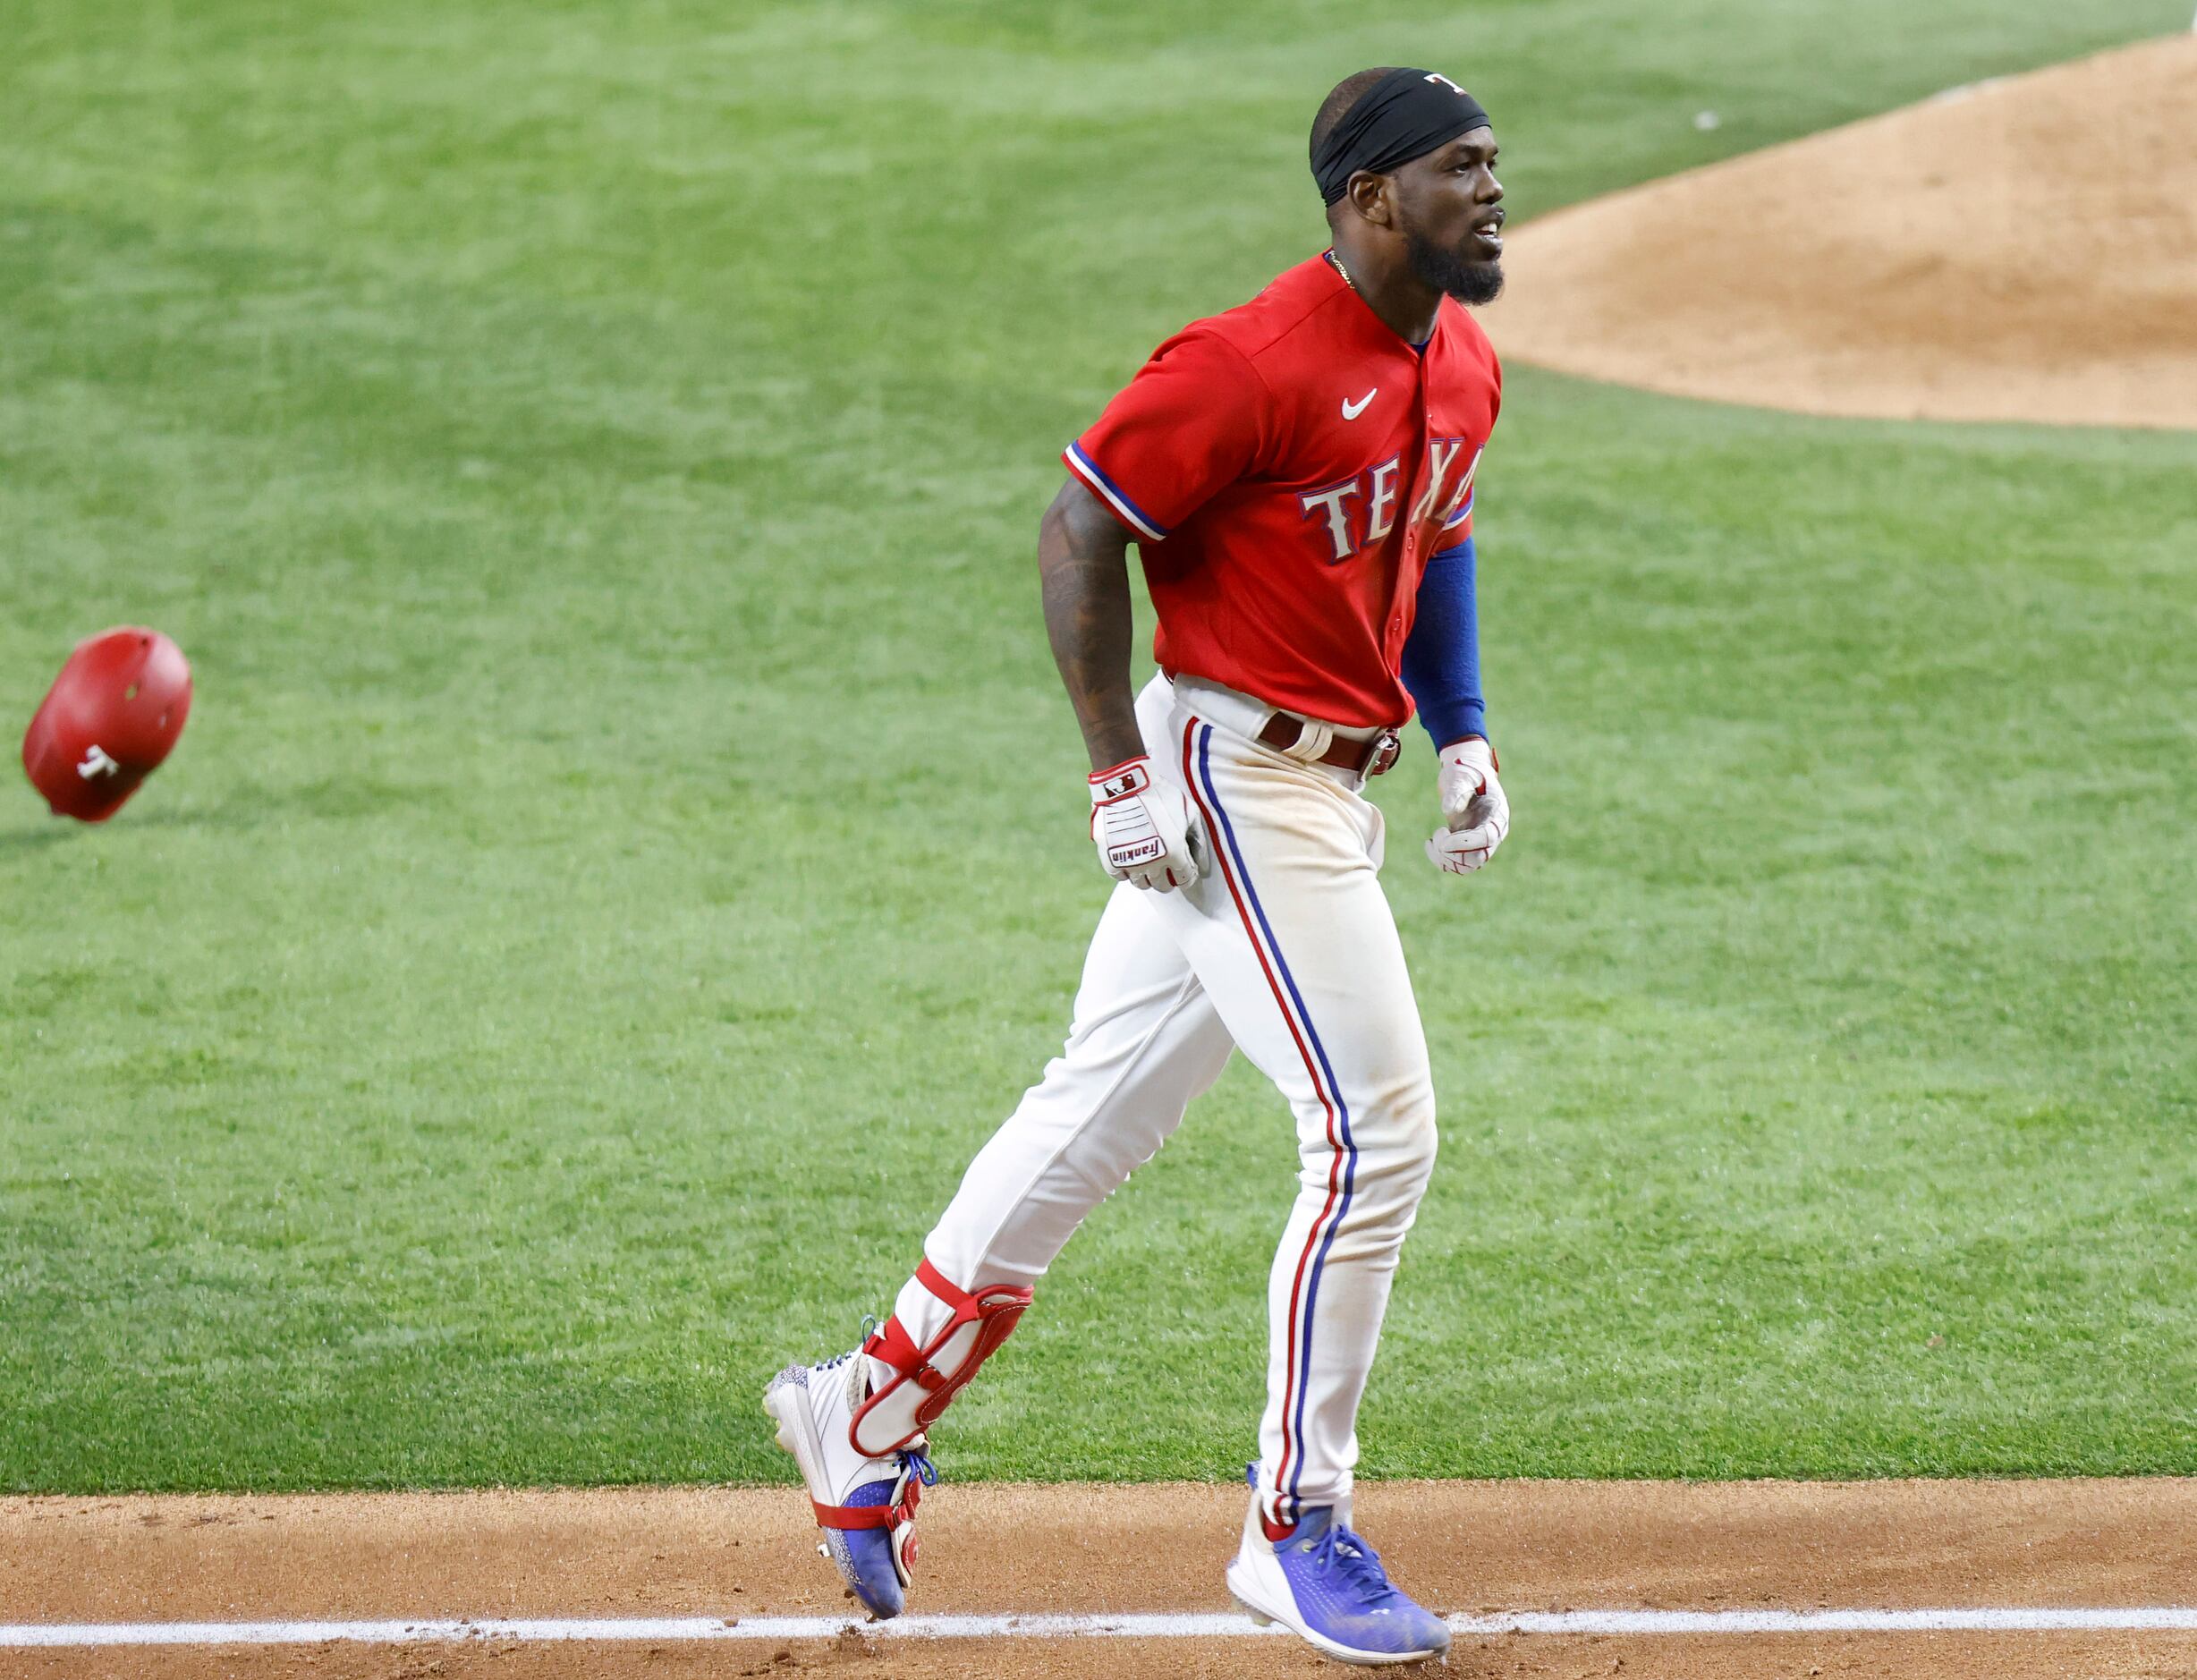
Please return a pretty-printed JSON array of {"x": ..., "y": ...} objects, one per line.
[
  {"x": 1144, "y": 828},
  {"x": 1082, "y": 558}
]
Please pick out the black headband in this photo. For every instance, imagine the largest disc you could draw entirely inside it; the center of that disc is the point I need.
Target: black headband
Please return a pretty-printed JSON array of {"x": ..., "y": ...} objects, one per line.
[{"x": 1405, "y": 115}]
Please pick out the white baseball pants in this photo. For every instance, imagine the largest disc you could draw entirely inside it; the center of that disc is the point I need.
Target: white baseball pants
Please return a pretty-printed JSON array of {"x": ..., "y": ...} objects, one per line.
[{"x": 1287, "y": 947}]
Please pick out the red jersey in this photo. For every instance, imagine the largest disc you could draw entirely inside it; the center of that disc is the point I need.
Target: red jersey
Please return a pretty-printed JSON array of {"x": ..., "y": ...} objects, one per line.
[{"x": 1287, "y": 468}]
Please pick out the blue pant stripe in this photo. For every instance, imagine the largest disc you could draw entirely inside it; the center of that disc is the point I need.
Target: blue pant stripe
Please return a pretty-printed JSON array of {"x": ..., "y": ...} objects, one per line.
[{"x": 1335, "y": 1091}]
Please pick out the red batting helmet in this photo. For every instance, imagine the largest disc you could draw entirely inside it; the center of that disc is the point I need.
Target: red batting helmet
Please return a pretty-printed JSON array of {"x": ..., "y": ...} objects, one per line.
[{"x": 110, "y": 718}]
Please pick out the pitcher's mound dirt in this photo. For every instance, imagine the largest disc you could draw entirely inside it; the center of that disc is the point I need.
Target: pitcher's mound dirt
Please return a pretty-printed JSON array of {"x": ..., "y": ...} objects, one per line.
[
  {"x": 2024, "y": 250},
  {"x": 1470, "y": 1547}
]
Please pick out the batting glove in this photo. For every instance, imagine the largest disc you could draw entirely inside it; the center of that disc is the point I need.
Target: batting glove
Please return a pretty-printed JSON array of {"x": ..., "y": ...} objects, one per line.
[
  {"x": 1474, "y": 807},
  {"x": 1145, "y": 829}
]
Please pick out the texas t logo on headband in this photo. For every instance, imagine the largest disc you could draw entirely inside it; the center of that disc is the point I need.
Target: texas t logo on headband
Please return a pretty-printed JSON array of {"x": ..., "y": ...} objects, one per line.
[{"x": 1405, "y": 115}]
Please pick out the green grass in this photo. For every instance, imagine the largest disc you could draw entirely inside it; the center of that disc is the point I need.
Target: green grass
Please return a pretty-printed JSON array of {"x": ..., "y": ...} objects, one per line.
[{"x": 592, "y": 455}]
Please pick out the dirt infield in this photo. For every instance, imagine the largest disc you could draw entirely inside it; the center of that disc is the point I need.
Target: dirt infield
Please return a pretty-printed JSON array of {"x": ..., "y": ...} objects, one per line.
[
  {"x": 1471, "y": 1547},
  {"x": 2025, "y": 250}
]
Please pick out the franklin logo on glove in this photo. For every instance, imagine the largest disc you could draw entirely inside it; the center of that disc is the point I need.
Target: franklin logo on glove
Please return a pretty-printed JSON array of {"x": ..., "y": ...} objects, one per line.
[{"x": 1146, "y": 833}]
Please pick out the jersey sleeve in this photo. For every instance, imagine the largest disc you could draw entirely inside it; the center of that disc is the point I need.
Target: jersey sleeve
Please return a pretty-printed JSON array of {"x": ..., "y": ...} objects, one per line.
[
  {"x": 1456, "y": 531},
  {"x": 1458, "y": 512},
  {"x": 1188, "y": 425}
]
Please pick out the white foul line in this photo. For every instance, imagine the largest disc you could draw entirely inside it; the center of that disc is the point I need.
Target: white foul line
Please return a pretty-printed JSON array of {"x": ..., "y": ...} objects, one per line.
[{"x": 64, "y": 1634}]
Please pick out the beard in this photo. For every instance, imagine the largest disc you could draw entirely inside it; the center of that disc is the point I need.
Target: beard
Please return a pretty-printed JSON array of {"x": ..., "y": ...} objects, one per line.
[{"x": 1448, "y": 271}]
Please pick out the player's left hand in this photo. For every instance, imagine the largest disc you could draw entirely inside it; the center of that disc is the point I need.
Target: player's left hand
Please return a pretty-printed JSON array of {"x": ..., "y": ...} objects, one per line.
[{"x": 1474, "y": 807}]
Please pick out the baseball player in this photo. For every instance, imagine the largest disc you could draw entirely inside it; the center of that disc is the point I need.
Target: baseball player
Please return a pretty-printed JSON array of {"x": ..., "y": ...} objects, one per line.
[{"x": 1298, "y": 476}]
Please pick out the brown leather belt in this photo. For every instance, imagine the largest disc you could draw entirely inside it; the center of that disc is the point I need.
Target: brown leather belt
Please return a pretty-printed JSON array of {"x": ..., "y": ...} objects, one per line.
[{"x": 1367, "y": 758}]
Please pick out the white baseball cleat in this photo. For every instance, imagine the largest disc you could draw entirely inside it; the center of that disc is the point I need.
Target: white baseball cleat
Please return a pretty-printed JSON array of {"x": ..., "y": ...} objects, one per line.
[
  {"x": 866, "y": 1506},
  {"x": 1327, "y": 1585}
]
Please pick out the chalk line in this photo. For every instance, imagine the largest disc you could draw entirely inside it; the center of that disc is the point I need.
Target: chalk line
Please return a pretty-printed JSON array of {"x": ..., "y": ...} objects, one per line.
[{"x": 1155, "y": 1626}]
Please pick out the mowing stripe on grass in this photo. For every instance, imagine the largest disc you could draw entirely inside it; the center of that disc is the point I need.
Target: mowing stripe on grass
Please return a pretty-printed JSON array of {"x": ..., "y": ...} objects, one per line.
[{"x": 1163, "y": 1625}]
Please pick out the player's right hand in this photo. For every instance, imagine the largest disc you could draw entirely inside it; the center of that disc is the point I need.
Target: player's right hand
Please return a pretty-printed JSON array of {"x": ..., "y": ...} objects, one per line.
[{"x": 1144, "y": 828}]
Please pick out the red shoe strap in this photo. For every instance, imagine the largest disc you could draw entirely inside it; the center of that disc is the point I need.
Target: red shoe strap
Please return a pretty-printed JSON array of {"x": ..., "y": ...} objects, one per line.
[
  {"x": 855, "y": 1516},
  {"x": 872, "y": 1516}
]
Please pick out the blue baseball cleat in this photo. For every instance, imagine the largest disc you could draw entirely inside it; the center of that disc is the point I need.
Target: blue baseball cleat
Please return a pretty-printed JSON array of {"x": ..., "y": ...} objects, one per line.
[
  {"x": 866, "y": 1506},
  {"x": 1326, "y": 1584}
]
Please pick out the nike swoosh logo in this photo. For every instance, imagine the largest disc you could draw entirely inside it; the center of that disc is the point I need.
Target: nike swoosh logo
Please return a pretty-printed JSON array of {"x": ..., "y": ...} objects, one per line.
[{"x": 1351, "y": 410}]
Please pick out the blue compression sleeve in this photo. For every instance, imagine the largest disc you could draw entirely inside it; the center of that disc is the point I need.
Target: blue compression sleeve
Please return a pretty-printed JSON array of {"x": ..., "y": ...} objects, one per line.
[{"x": 1441, "y": 661}]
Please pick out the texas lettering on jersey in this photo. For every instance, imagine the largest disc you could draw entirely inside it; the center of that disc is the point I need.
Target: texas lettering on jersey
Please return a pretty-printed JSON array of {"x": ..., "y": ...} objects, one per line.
[
  {"x": 1287, "y": 468},
  {"x": 1374, "y": 492}
]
